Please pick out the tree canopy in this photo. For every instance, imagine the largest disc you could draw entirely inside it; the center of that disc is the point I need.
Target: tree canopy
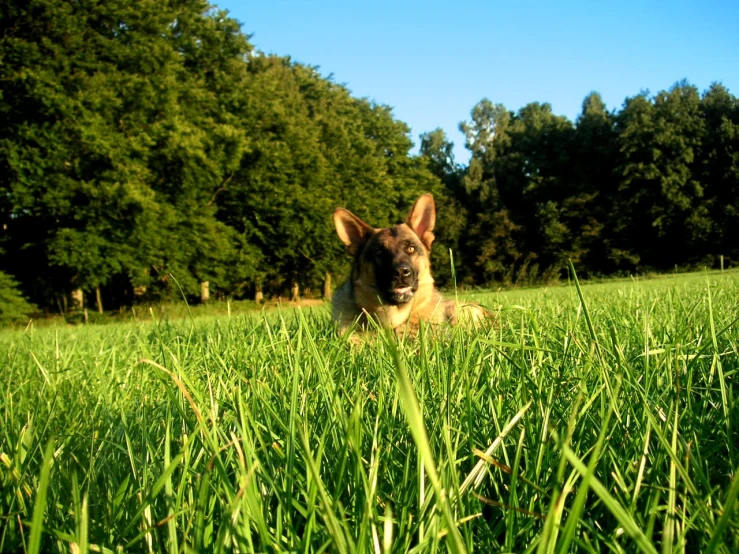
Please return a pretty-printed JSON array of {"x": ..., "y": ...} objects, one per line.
[{"x": 149, "y": 140}]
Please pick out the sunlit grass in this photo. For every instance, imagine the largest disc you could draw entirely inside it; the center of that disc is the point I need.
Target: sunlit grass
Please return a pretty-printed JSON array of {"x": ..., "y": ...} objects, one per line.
[{"x": 608, "y": 424}]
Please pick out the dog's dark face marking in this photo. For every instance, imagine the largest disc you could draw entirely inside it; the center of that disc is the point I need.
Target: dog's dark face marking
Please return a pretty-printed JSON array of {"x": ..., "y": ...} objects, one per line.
[{"x": 394, "y": 254}]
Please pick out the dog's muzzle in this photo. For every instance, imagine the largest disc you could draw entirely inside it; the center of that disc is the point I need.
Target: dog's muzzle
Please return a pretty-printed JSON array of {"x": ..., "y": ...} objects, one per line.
[{"x": 404, "y": 284}]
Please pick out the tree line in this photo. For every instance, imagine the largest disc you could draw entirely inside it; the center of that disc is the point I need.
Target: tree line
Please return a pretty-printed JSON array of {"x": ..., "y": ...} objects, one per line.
[{"x": 148, "y": 150}]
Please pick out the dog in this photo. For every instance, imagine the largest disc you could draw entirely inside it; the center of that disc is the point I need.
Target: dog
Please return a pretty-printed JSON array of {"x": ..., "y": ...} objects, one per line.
[{"x": 391, "y": 281}]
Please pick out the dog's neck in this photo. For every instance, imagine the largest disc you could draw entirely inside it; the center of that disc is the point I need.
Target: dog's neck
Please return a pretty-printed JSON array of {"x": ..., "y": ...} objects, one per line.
[{"x": 387, "y": 315}]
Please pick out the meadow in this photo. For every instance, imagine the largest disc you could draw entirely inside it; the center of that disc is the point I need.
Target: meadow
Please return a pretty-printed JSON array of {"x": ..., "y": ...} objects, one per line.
[{"x": 587, "y": 418}]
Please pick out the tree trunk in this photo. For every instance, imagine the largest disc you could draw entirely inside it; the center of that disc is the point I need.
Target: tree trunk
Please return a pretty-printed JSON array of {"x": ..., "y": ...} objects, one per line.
[
  {"x": 204, "y": 291},
  {"x": 99, "y": 300},
  {"x": 295, "y": 292},
  {"x": 327, "y": 287},
  {"x": 258, "y": 294},
  {"x": 78, "y": 299},
  {"x": 140, "y": 290}
]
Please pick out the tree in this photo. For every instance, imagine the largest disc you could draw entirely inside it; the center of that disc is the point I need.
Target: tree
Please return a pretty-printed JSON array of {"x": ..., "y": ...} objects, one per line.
[
  {"x": 718, "y": 170},
  {"x": 589, "y": 210},
  {"x": 493, "y": 242},
  {"x": 536, "y": 179},
  {"x": 117, "y": 131},
  {"x": 14, "y": 308},
  {"x": 663, "y": 215},
  {"x": 452, "y": 211},
  {"x": 486, "y": 135},
  {"x": 519, "y": 173},
  {"x": 312, "y": 148}
]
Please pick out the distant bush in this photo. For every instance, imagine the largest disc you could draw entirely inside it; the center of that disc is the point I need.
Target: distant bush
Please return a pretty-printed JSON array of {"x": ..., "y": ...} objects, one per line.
[{"x": 13, "y": 307}]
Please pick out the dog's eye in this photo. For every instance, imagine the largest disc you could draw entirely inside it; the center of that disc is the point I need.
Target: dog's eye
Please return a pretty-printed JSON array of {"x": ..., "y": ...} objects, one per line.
[
  {"x": 378, "y": 253},
  {"x": 410, "y": 249}
]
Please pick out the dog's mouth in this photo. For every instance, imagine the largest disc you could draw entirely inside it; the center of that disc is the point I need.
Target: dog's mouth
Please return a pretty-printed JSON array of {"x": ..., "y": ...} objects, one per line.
[{"x": 401, "y": 295}]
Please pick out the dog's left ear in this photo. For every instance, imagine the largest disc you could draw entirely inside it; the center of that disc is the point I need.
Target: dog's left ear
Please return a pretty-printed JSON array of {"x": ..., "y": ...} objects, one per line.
[{"x": 422, "y": 219}]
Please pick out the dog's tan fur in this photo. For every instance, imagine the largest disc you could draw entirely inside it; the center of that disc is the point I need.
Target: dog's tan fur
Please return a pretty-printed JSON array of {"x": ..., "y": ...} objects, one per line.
[{"x": 358, "y": 300}]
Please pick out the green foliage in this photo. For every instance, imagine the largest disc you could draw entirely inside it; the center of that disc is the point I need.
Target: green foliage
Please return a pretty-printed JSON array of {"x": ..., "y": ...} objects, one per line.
[
  {"x": 664, "y": 216},
  {"x": 142, "y": 142},
  {"x": 118, "y": 129},
  {"x": 521, "y": 173},
  {"x": 718, "y": 170},
  {"x": 313, "y": 148},
  {"x": 14, "y": 308},
  {"x": 650, "y": 187},
  {"x": 452, "y": 212},
  {"x": 590, "y": 208}
]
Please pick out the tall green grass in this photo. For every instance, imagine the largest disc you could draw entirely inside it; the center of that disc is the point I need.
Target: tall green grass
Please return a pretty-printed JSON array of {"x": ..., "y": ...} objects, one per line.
[{"x": 601, "y": 418}]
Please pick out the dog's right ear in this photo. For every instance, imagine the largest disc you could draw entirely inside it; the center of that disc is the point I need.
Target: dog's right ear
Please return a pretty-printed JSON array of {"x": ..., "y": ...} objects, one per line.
[{"x": 352, "y": 231}]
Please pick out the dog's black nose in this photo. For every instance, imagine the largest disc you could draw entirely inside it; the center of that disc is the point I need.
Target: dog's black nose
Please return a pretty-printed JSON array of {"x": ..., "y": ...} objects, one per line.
[{"x": 403, "y": 271}]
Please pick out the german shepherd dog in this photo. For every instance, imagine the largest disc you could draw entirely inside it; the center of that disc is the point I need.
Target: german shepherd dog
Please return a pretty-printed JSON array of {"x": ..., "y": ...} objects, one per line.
[{"x": 391, "y": 280}]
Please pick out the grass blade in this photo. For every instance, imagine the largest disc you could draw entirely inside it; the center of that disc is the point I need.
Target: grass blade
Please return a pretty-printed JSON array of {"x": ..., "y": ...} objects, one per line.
[
  {"x": 420, "y": 437},
  {"x": 730, "y": 504},
  {"x": 623, "y": 517},
  {"x": 39, "y": 506}
]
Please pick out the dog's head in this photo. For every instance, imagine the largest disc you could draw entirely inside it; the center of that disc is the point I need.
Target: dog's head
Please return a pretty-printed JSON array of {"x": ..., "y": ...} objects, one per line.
[{"x": 393, "y": 261}]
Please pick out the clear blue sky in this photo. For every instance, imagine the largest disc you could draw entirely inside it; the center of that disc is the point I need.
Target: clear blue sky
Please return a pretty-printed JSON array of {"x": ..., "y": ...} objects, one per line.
[{"x": 433, "y": 61}]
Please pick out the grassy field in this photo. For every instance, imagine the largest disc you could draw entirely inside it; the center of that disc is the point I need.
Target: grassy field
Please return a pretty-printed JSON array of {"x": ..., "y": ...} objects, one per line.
[{"x": 596, "y": 419}]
